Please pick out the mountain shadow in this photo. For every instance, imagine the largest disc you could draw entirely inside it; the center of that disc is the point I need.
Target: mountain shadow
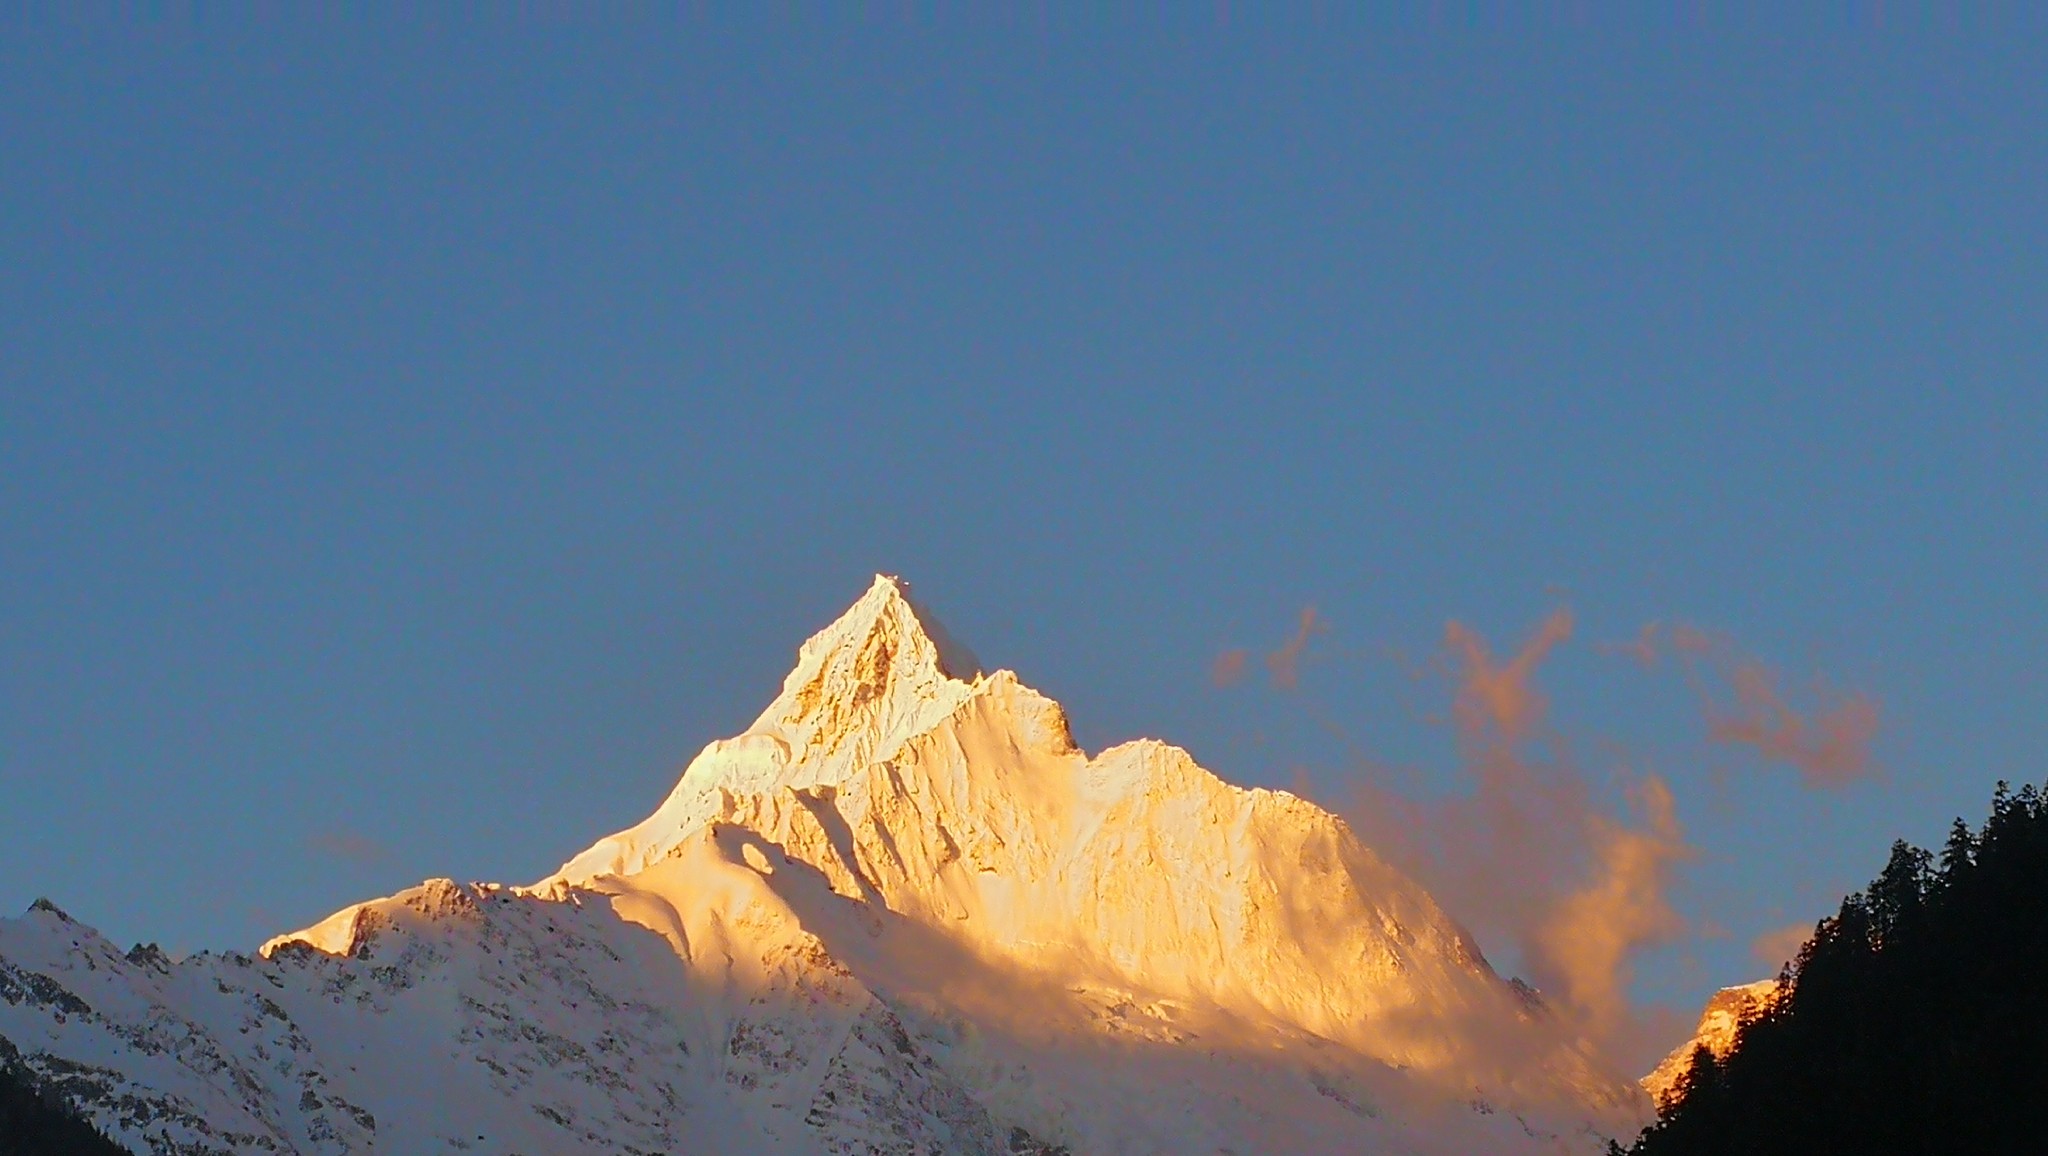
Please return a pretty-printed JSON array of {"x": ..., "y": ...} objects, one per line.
[
  {"x": 1915, "y": 1020},
  {"x": 33, "y": 1124}
]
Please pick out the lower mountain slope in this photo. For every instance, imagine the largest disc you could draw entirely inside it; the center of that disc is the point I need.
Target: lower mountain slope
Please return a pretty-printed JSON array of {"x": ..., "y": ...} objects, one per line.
[
  {"x": 901, "y": 913},
  {"x": 34, "y": 1122}
]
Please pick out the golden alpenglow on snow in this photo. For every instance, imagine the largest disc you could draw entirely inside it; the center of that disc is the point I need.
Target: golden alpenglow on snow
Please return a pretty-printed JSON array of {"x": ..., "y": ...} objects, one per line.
[
  {"x": 901, "y": 913},
  {"x": 1719, "y": 1022}
]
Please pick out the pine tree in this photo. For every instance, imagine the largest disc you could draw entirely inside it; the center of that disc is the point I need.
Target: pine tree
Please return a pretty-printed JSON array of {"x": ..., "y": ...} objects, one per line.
[{"x": 1914, "y": 1019}]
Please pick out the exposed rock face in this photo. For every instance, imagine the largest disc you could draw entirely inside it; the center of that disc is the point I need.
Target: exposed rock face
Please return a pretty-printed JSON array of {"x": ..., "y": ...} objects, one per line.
[
  {"x": 1720, "y": 1020},
  {"x": 901, "y": 913}
]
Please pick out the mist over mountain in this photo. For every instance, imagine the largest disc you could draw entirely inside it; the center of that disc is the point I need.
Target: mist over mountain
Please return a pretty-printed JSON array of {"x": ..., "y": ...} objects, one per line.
[{"x": 901, "y": 912}]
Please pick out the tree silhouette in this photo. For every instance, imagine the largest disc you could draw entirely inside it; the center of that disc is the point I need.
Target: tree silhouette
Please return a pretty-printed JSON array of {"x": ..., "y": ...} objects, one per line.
[
  {"x": 1915, "y": 1019},
  {"x": 34, "y": 1124}
]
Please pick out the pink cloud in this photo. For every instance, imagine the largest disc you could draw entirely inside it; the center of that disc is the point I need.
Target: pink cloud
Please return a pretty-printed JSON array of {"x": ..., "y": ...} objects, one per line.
[
  {"x": 1692, "y": 640},
  {"x": 1501, "y": 697},
  {"x": 1577, "y": 879},
  {"x": 1531, "y": 855},
  {"x": 1831, "y": 749},
  {"x": 1829, "y": 744},
  {"x": 1284, "y": 664},
  {"x": 347, "y": 845},
  {"x": 1779, "y": 946},
  {"x": 1642, "y": 649},
  {"x": 1589, "y": 938}
]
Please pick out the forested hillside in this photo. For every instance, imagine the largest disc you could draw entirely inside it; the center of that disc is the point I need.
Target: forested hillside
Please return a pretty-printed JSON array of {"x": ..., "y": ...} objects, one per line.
[
  {"x": 33, "y": 1126},
  {"x": 1917, "y": 1019}
]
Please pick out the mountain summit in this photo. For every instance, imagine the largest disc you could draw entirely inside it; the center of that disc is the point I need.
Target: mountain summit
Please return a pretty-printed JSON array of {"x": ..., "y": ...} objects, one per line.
[
  {"x": 862, "y": 687},
  {"x": 902, "y": 912}
]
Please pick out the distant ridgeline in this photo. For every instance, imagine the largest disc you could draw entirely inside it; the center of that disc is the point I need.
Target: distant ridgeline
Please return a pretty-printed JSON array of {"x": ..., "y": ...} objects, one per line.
[
  {"x": 1916, "y": 1019},
  {"x": 33, "y": 1124}
]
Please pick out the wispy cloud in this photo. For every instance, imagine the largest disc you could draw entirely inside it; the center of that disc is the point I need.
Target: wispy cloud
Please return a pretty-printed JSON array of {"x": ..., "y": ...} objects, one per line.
[
  {"x": 1579, "y": 878},
  {"x": 1831, "y": 749},
  {"x": 347, "y": 845},
  {"x": 1228, "y": 669},
  {"x": 1530, "y": 854},
  {"x": 1284, "y": 664},
  {"x": 1501, "y": 698},
  {"x": 1641, "y": 650},
  {"x": 1689, "y": 639},
  {"x": 1589, "y": 938},
  {"x": 1829, "y": 745},
  {"x": 1776, "y": 947}
]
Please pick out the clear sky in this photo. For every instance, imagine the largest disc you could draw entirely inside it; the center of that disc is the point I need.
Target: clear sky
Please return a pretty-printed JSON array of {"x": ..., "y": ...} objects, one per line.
[{"x": 417, "y": 439}]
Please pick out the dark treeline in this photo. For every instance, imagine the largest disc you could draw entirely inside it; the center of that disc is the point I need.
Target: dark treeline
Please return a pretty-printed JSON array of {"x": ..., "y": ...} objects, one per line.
[
  {"x": 1916, "y": 1019},
  {"x": 32, "y": 1125}
]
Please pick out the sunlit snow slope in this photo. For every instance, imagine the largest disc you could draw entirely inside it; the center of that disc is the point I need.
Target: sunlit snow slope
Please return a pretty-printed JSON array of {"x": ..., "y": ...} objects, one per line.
[
  {"x": 902, "y": 913},
  {"x": 1720, "y": 1021}
]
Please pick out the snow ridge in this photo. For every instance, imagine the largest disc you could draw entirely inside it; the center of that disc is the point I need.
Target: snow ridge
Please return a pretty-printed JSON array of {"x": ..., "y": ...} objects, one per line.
[{"x": 902, "y": 912}]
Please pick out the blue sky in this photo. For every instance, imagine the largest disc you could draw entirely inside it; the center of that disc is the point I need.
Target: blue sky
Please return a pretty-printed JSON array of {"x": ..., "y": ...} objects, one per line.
[{"x": 417, "y": 439}]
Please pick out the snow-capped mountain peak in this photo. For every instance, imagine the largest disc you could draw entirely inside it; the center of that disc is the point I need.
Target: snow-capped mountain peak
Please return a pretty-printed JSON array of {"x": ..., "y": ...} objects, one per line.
[
  {"x": 871, "y": 679},
  {"x": 861, "y": 687},
  {"x": 901, "y": 912}
]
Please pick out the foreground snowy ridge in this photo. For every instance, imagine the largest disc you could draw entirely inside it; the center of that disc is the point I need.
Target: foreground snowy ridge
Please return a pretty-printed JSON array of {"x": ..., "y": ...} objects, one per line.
[{"x": 901, "y": 913}]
